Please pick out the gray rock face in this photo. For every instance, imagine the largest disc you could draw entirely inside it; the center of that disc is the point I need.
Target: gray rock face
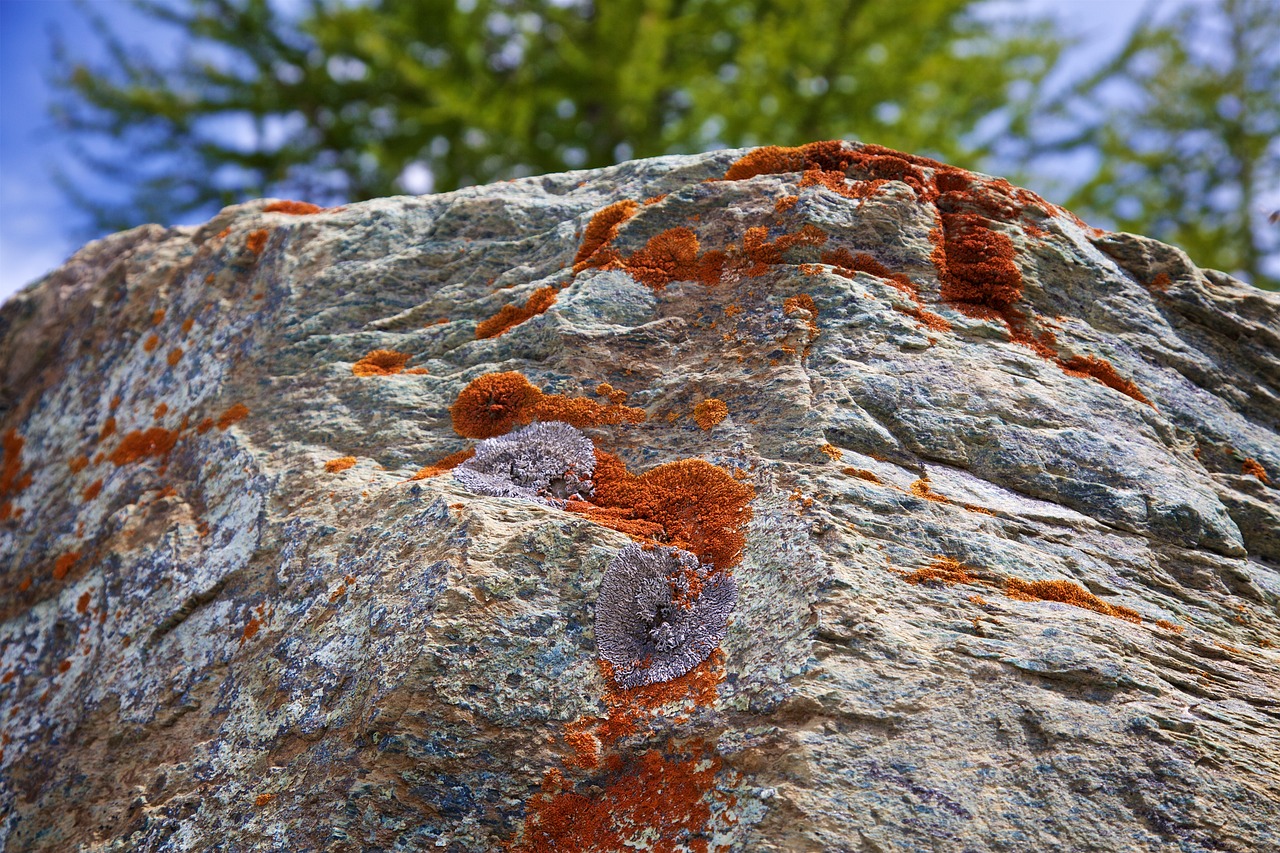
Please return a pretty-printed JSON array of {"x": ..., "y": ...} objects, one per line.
[{"x": 997, "y": 491}]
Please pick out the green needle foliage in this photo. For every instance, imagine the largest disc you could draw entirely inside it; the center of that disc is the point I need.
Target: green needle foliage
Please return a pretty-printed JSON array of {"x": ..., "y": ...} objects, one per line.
[
  {"x": 345, "y": 101},
  {"x": 1185, "y": 126}
]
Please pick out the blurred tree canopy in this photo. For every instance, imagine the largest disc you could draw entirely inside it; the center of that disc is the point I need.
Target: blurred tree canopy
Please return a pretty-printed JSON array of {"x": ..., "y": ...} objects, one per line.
[
  {"x": 340, "y": 100},
  {"x": 1184, "y": 124},
  {"x": 345, "y": 100}
]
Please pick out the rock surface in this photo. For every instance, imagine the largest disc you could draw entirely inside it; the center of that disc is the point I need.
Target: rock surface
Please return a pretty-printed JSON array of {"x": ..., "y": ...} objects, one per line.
[{"x": 998, "y": 492}]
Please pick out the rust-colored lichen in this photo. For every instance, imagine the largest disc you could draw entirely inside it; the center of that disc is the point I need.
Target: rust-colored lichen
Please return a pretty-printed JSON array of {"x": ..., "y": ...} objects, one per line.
[
  {"x": 1169, "y": 626},
  {"x": 710, "y": 412},
  {"x": 944, "y": 570},
  {"x": 342, "y": 463},
  {"x": 690, "y": 504},
  {"x": 174, "y": 356},
  {"x": 448, "y": 463},
  {"x": 160, "y": 411},
  {"x": 862, "y": 474},
  {"x": 838, "y": 182},
  {"x": 293, "y": 208},
  {"x": 601, "y": 231},
  {"x": 493, "y": 404},
  {"x": 834, "y": 453},
  {"x": 785, "y": 203},
  {"x": 613, "y": 395},
  {"x": 204, "y": 426},
  {"x": 976, "y": 266},
  {"x": 673, "y": 256},
  {"x": 661, "y": 800},
  {"x": 157, "y": 316},
  {"x": 256, "y": 241},
  {"x": 63, "y": 564},
  {"x": 108, "y": 428},
  {"x": 381, "y": 362},
  {"x": 140, "y": 444},
  {"x": 263, "y": 799},
  {"x": 512, "y": 315},
  {"x": 1159, "y": 284},
  {"x": 232, "y": 414},
  {"x": 763, "y": 252},
  {"x": 920, "y": 488},
  {"x": 1100, "y": 369},
  {"x": 1253, "y": 468},
  {"x": 78, "y": 463},
  {"x": 12, "y": 480},
  {"x": 151, "y": 343},
  {"x": 93, "y": 489},
  {"x": 1066, "y": 592}
]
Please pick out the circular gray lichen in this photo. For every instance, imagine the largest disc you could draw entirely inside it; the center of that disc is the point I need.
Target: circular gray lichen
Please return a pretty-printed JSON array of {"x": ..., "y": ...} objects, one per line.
[
  {"x": 544, "y": 462},
  {"x": 643, "y": 630}
]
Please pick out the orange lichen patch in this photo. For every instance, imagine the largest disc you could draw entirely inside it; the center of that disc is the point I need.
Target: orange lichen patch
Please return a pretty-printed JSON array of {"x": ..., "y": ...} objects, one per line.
[
  {"x": 453, "y": 460},
  {"x": 157, "y": 316},
  {"x": 1066, "y": 592},
  {"x": 862, "y": 473},
  {"x": 63, "y": 564},
  {"x": 601, "y": 231},
  {"x": 978, "y": 600},
  {"x": 630, "y": 708},
  {"x": 512, "y": 315},
  {"x": 673, "y": 256},
  {"x": 93, "y": 489},
  {"x": 108, "y": 428},
  {"x": 82, "y": 605},
  {"x": 342, "y": 463},
  {"x": 660, "y": 800},
  {"x": 769, "y": 160},
  {"x": 175, "y": 355},
  {"x": 417, "y": 371},
  {"x": 1169, "y": 626},
  {"x": 78, "y": 463},
  {"x": 151, "y": 343},
  {"x": 785, "y": 203},
  {"x": 293, "y": 208},
  {"x": 262, "y": 799},
  {"x": 710, "y": 412},
  {"x": 231, "y": 415},
  {"x": 975, "y": 266},
  {"x": 920, "y": 488},
  {"x": 493, "y": 404},
  {"x": 64, "y": 665},
  {"x": 698, "y": 506},
  {"x": 765, "y": 253},
  {"x": 1160, "y": 283},
  {"x": 833, "y": 452},
  {"x": 1100, "y": 369},
  {"x": 654, "y": 199},
  {"x": 381, "y": 362},
  {"x": 12, "y": 480},
  {"x": 946, "y": 570},
  {"x": 256, "y": 241},
  {"x": 204, "y": 426},
  {"x": 250, "y": 629},
  {"x": 139, "y": 444},
  {"x": 837, "y": 182},
  {"x": 981, "y": 510},
  {"x": 187, "y": 324},
  {"x": 732, "y": 310},
  {"x": 613, "y": 395},
  {"x": 581, "y": 412},
  {"x": 1254, "y": 468},
  {"x": 160, "y": 411}
]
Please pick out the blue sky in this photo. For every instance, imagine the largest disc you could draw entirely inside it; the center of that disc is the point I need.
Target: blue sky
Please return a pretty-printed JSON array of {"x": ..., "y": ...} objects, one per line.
[{"x": 39, "y": 229}]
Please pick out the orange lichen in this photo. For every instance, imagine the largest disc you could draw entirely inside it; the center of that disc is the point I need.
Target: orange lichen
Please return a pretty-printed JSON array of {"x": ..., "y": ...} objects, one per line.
[
  {"x": 1254, "y": 468},
  {"x": 204, "y": 426},
  {"x": 862, "y": 473},
  {"x": 82, "y": 605},
  {"x": 1160, "y": 283},
  {"x": 262, "y": 799},
  {"x": 785, "y": 203},
  {"x": 250, "y": 629},
  {"x": 231, "y": 415},
  {"x": 769, "y": 160},
  {"x": 848, "y": 264},
  {"x": 1170, "y": 626},
  {"x": 63, "y": 564},
  {"x": 838, "y": 182},
  {"x": 920, "y": 488},
  {"x": 175, "y": 355},
  {"x": 93, "y": 489},
  {"x": 601, "y": 231},
  {"x": 832, "y": 452},
  {"x": 160, "y": 411},
  {"x": 512, "y": 315},
  {"x": 658, "y": 799},
  {"x": 78, "y": 463},
  {"x": 108, "y": 428},
  {"x": 710, "y": 412},
  {"x": 493, "y": 404},
  {"x": 765, "y": 253},
  {"x": 256, "y": 241},
  {"x": 187, "y": 324},
  {"x": 581, "y": 412},
  {"x": 1066, "y": 592},
  {"x": 976, "y": 266},
  {"x": 64, "y": 665},
  {"x": 1100, "y": 369},
  {"x": 693, "y": 504},
  {"x": 342, "y": 463},
  {"x": 139, "y": 444},
  {"x": 613, "y": 395},
  {"x": 157, "y": 316},
  {"x": 673, "y": 256},
  {"x": 448, "y": 463},
  {"x": 381, "y": 362},
  {"x": 151, "y": 343},
  {"x": 293, "y": 208},
  {"x": 945, "y": 570},
  {"x": 12, "y": 481}
]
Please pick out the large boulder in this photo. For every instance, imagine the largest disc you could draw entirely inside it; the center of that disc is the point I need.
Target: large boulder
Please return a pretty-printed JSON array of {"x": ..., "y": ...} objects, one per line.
[{"x": 886, "y": 507}]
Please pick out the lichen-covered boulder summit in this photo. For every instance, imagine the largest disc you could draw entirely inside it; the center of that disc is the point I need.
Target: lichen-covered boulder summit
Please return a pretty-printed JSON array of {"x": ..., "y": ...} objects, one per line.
[{"x": 937, "y": 520}]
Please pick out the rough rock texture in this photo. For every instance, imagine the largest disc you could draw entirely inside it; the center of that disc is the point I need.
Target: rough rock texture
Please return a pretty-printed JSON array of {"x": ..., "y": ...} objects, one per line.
[{"x": 998, "y": 493}]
